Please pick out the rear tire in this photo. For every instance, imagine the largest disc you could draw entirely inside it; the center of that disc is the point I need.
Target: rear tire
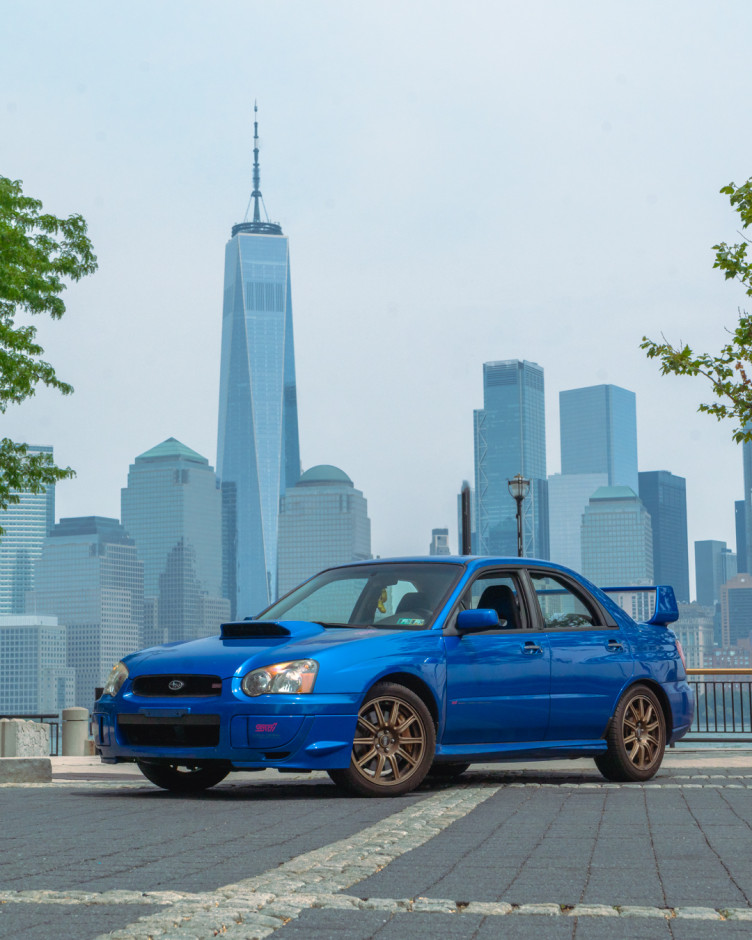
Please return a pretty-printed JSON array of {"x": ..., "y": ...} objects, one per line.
[
  {"x": 394, "y": 744},
  {"x": 184, "y": 778},
  {"x": 636, "y": 737}
]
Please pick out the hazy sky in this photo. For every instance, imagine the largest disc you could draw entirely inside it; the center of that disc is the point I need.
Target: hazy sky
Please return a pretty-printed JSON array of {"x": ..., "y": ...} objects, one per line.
[{"x": 460, "y": 182}]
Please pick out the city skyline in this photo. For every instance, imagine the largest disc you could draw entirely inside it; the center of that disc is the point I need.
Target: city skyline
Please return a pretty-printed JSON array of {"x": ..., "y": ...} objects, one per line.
[{"x": 377, "y": 301}]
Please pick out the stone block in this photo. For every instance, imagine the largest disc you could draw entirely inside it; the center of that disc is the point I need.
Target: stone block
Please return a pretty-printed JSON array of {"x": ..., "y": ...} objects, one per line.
[
  {"x": 25, "y": 770},
  {"x": 22, "y": 738}
]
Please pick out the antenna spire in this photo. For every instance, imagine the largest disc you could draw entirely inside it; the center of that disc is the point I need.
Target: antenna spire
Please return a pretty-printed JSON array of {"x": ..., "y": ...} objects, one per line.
[
  {"x": 257, "y": 226},
  {"x": 256, "y": 194}
]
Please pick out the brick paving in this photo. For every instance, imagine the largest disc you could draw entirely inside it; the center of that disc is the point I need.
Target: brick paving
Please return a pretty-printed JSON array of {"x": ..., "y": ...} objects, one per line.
[{"x": 545, "y": 851}]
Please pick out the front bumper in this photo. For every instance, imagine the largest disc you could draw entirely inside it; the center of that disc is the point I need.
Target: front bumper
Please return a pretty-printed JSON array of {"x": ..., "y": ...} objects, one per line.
[{"x": 295, "y": 732}]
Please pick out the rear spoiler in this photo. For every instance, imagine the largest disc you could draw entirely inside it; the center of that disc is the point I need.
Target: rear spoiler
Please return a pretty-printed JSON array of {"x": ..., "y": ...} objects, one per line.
[{"x": 653, "y": 604}]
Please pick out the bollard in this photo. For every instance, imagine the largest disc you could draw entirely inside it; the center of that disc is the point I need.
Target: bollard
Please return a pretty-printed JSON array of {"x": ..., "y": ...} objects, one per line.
[{"x": 75, "y": 731}]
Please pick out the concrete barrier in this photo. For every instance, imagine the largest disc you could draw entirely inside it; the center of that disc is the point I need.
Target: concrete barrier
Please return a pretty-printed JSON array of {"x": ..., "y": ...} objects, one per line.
[
  {"x": 25, "y": 770},
  {"x": 22, "y": 738},
  {"x": 75, "y": 731}
]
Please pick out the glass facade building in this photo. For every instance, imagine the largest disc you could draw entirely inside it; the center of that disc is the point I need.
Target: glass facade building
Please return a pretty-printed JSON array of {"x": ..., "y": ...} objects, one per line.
[
  {"x": 323, "y": 521},
  {"x": 258, "y": 453},
  {"x": 172, "y": 508},
  {"x": 89, "y": 576},
  {"x": 439, "y": 542},
  {"x": 599, "y": 433},
  {"x": 715, "y": 564},
  {"x": 510, "y": 438},
  {"x": 35, "y": 678},
  {"x": 664, "y": 495},
  {"x": 736, "y": 610},
  {"x": 25, "y": 525},
  {"x": 740, "y": 520},
  {"x": 568, "y": 495},
  {"x": 617, "y": 539}
]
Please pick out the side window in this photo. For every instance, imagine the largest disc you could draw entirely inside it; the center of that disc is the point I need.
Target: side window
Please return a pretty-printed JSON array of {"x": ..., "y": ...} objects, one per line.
[
  {"x": 562, "y": 606},
  {"x": 499, "y": 592}
]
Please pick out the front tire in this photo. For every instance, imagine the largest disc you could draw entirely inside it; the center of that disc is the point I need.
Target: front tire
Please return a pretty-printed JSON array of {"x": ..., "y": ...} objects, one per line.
[
  {"x": 636, "y": 737},
  {"x": 184, "y": 778},
  {"x": 394, "y": 744}
]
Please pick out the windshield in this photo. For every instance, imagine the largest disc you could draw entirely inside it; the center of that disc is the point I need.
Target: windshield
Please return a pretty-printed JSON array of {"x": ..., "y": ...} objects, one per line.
[{"x": 393, "y": 596}]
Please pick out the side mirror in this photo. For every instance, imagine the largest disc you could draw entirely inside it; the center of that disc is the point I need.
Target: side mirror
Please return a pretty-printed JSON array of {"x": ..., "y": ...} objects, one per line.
[{"x": 476, "y": 621}]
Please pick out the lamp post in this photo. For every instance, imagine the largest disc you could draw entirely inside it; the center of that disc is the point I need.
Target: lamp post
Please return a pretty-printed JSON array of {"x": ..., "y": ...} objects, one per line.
[{"x": 519, "y": 487}]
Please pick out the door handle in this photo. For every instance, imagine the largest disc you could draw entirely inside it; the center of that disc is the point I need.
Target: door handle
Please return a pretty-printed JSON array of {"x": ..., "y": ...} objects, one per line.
[
  {"x": 530, "y": 647},
  {"x": 614, "y": 646}
]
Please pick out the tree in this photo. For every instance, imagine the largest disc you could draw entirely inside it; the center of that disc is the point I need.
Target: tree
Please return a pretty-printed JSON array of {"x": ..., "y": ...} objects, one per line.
[
  {"x": 727, "y": 371},
  {"x": 38, "y": 253}
]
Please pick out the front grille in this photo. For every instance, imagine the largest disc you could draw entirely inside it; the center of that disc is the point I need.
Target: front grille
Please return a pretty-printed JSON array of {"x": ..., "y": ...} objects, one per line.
[
  {"x": 196, "y": 731},
  {"x": 191, "y": 685}
]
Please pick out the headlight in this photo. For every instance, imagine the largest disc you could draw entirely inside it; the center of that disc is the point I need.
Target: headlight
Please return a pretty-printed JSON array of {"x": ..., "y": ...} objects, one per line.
[
  {"x": 115, "y": 680},
  {"x": 294, "y": 678}
]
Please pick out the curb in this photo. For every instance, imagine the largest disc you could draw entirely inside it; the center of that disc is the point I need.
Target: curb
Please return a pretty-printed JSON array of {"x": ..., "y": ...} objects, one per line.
[{"x": 25, "y": 770}]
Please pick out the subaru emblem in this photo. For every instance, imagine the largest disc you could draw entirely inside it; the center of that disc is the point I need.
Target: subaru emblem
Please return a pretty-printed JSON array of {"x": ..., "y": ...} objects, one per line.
[{"x": 175, "y": 685}]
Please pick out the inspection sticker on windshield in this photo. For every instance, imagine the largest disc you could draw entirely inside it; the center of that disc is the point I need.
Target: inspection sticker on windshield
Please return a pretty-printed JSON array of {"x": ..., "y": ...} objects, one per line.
[{"x": 410, "y": 622}]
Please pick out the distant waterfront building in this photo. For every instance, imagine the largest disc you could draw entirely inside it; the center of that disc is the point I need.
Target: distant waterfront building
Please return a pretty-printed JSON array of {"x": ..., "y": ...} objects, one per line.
[
  {"x": 323, "y": 521},
  {"x": 568, "y": 495},
  {"x": 90, "y": 577},
  {"x": 510, "y": 438},
  {"x": 740, "y": 519},
  {"x": 599, "y": 433},
  {"x": 25, "y": 525},
  {"x": 439, "y": 542},
  {"x": 695, "y": 629},
  {"x": 617, "y": 539},
  {"x": 34, "y": 676},
  {"x": 664, "y": 495},
  {"x": 715, "y": 564},
  {"x": 736, "y": 611},
  {"x": 172, "y": 508},
  {"x": 473, "y": 526},
  {"x": 258, "y": 453}
]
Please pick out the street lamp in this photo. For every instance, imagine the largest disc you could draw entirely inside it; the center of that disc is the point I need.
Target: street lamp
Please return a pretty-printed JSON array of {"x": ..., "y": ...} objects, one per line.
[{"x": 519, "y": 488}]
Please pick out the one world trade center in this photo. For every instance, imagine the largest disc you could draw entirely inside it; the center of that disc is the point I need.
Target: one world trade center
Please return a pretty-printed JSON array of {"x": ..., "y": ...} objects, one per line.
[{"x": 258, "y": 453}]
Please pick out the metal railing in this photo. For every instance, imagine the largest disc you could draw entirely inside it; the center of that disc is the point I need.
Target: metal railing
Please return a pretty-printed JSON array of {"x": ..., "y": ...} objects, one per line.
[
  {"x": 723, "y": 705},
  {"x": 53, "y": 720}
]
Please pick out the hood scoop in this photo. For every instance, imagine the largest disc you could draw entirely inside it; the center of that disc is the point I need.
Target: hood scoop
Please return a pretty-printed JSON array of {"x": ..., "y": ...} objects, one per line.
[
  {"x": 246, "y": 628},
  {"x": 252, "y": 629}
]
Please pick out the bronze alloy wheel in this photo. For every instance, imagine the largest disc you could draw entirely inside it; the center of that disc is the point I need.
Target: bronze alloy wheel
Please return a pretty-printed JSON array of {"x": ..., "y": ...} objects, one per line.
[
  {"x": 393, "y": 745},
  {"x": 641, "y": 732},
  {"x": 636, "y": 737}
]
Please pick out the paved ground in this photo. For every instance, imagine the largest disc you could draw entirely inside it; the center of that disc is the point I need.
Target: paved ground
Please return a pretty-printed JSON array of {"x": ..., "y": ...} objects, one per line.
[{"x": 513, "y": 851}]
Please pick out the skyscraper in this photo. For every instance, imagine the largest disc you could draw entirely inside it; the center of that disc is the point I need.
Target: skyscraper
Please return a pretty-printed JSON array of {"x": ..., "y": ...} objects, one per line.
[
  {"x": 740, "y": 519},
  {"x": 599, "y": 433},
  {"x": 664, "y": 495},
  {"x": 715, "y": 564},
  {"x": 747, "y": 467},
  {"x": 568, "y": 495},
  {"x": 323, "y": 521},
  {"x": 25, "y": 525},
  {"x": 34, "y": 676},
  {"x": 510, "y": 438},
  {"x": 172, "y": 508},
  {"x": 617, "y": 539},
  {"x": 258, "y": 454},
  {"x": 439, "y": 542},
  {"x": 89, "y": 577}
]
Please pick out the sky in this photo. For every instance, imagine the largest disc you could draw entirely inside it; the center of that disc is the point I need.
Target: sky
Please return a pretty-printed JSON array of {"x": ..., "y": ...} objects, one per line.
[{"x": 460, "y": 182}]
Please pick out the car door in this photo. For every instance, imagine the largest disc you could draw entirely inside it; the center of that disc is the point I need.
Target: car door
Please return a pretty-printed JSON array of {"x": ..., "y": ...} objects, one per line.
[
  {"x": 591, "y": 659},
  {"x": 498, "y": 680}
]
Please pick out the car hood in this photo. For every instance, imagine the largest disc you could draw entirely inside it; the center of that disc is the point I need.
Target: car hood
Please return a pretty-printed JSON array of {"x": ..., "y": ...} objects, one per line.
[{"x": 227, "y": 656}]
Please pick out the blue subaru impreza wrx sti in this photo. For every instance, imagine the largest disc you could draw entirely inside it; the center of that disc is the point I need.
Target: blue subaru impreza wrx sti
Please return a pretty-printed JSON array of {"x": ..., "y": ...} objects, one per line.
[{"x": 384, "y": 672}]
